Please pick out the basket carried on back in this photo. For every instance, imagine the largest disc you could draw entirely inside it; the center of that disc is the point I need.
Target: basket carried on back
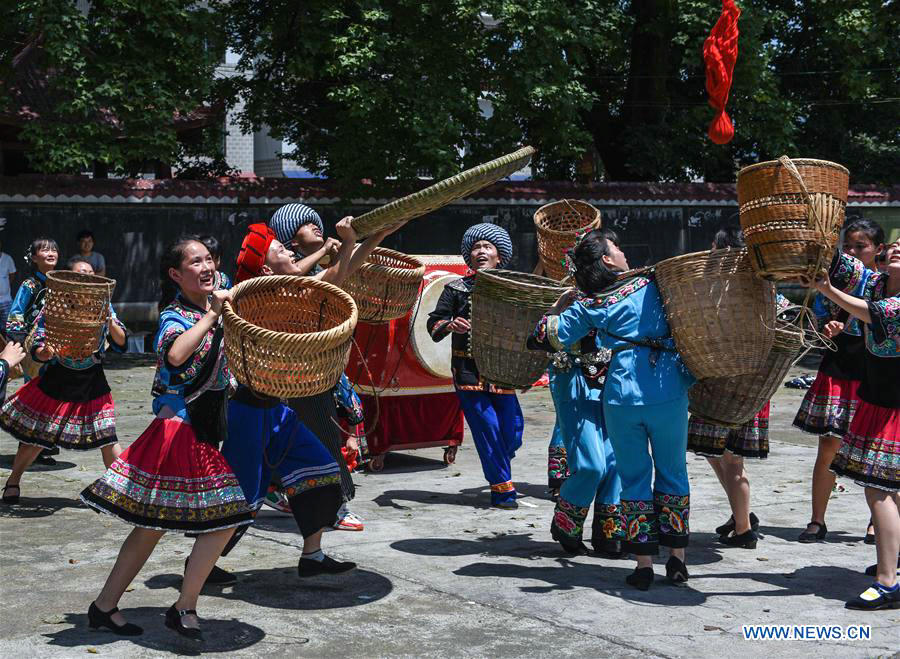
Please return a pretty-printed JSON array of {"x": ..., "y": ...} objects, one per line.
[
  {"x": 558, "y": 225},
  {"x": 791, "y": 213},
  {"x": 441, "y": 193},
  {"x": 288, "y": 336},
  {"x": 506, "y": 306},
  {"x": 386, "y": 286},
  {"x": 75, "y": 311},
  {"x": 734, "y": 401},
  {"x": 719, "y": 311}
]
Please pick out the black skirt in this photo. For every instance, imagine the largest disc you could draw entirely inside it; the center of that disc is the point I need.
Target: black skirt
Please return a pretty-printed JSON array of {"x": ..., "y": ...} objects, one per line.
[{"x": 74, "y": 386}]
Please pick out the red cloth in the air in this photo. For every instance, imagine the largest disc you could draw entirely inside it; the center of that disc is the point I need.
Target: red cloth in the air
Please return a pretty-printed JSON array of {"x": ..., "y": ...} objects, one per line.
[{"x": 720, "y": 53}]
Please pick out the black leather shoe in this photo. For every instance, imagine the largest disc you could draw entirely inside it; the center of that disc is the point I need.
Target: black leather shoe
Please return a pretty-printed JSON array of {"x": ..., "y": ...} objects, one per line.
[
  {"x": 44, "y": 459},
  {"x": 173, "y": 621},
  {"x": 217, "y": 576},
  {"x": 875, "y": 598},
  {"x": 806, "y": 537},
  {"x": 745, "y": 540},
  {"x": 872, "y": 570},
  {"x": 728, "y": 527},
  {"x": 569, "y": 544},
  {"x": 870, "y": 537},
  {"x": 641, "y": 578},
  {"x": 676, "y": 571},
  {"x": 98, "y": 619},
  {"x": 307, "y": 567},
  {"x": 11, "y": 499}
]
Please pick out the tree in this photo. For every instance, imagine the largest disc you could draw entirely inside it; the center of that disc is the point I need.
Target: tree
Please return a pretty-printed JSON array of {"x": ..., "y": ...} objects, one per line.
[
  {"x": 391, "y": 88},
  {"x": 110, "y": 88}
]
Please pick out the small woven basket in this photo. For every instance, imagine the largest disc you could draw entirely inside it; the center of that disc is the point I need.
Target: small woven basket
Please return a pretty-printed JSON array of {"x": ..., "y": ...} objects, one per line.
[
  {"x": 734, "y": 401},
  {"x": 75, "y": 310},
  {"x": 288, "y": 336},
  {"x": 558, "y": 225},
  {"x": 441, "y": 193},
  {"x": 506, "y": 306},
  {"x": 719, "y": 311},
  {"x": 791, "y": 213},
  {"x": 386, "y": 286}
]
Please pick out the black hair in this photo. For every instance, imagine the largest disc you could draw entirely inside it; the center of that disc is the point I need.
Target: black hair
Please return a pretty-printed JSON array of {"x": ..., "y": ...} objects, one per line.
[
  {"x": 870, "y": 228},
  {"x": 172, "y": 258},
  {"x": 729, "y": 236},
  {"x": 78, "y": 258},
  {"x": 37, "y": 245},
  {"x": 591, "y": 274},
  {"x": 85, "y": 233},
  {"x": 213, "y": 245}
]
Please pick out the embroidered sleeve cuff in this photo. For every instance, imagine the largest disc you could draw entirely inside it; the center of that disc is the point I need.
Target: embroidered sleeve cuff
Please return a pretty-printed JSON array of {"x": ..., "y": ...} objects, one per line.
[
  {"x": 846, "y": 273},
  {"x": 439, "y": 330},
  {"x": 885, "y": 321},
  {"x": 553, "y": 333}
]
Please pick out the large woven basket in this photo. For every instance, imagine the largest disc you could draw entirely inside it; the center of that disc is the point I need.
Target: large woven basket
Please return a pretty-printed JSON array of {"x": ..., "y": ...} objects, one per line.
[
  {"x": 75, "y": 310},
  {"x": 720, "y": 312},
  {"x": 386, "y": 286},
  {"x": 734, "y": 401},
  {"x": 791, "y": 213},
  {"x": 441, "y": 193},
  {"x": 558, "y": 225},
  {"x": 506, "y": 306},
  {"x": 288, "y": 336}
]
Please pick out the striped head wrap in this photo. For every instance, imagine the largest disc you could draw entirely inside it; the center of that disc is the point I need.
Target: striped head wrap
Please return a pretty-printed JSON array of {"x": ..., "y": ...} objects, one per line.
[
  {"x": 253, "y": 252},
  {"x": 495, "y": 235},
  {"x": 290, "y": 217}
]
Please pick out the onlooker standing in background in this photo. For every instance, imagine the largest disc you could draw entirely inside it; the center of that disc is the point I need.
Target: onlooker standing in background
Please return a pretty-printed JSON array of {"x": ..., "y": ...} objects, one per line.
[
  {"x": 86, "y": 250},
  {"x": 223, "y": 281},
  {"x": 7, "y": 270}
]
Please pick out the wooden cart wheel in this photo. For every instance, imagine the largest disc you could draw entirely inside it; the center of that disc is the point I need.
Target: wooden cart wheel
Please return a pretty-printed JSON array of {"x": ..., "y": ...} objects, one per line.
[
  {"x": 450, "y": 455},
  {"x": 376, "y": 463}
]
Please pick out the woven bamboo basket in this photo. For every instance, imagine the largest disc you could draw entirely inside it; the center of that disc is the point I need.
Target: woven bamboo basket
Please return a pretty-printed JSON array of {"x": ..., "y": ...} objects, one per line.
[
  {"x": 506, "y": 306},
  {"x": 75, "y": 310},
  {"x": 791, "y": 213},
  {"x": 386, "y": 286},
  {"x": 558, "y": 225},
  {"x": 719, "y": 311},
  {"x": 734, "y": 401},
  {"x": 288, "y": 336},
  {"x": 441, "y": 193}
]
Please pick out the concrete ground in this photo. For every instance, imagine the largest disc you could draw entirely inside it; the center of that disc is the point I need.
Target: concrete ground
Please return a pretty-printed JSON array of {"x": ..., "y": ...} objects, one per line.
[{"x": 440, "y": 573}]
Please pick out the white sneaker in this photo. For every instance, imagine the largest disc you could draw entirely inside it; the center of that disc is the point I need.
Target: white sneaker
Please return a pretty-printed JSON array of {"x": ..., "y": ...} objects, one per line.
[
  {"x": 277, "y": 501},
  {"x": 347, "y": 521}
]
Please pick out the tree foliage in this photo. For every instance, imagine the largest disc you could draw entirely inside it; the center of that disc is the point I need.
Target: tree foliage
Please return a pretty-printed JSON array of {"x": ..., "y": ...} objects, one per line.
[
  {"x": 380, "y": 90},
  {"x": 114, "y": 79}
]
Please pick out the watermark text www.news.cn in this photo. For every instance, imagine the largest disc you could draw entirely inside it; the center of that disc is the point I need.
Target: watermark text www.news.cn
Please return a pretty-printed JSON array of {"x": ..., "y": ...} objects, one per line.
[{"x": 807, "y": 632}]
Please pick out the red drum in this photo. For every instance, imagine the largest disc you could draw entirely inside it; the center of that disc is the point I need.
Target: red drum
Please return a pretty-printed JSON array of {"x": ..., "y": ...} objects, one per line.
[{"x": 410, "y": 374}]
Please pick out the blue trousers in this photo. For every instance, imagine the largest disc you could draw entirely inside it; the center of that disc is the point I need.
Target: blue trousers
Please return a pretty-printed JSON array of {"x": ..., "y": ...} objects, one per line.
[
  {"x": 655, "y": 489},
  {"x": 591, "y": 461},
  {"x": 497, "y": 424}
]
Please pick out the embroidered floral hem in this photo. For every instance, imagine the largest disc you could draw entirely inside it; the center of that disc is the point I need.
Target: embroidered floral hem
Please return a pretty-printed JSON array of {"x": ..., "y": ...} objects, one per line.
[
  {"x": 608, "y": 529},
  {"x": 557, "y": 467},
  {"x": 569, "y": 519}
]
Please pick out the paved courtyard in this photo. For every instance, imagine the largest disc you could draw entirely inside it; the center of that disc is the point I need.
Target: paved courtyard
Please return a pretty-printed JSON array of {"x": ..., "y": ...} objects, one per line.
[{"x": 440, "y": 573}]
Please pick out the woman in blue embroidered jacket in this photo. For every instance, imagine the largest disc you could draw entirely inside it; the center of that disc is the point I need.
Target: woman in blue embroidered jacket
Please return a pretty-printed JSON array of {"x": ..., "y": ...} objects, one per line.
[
  {"x": 173, "y": 478},
  {"x": 493, "y": 414},
  {"x": 577, "y": 373},
  {"x": 69, "y": 405},
  {"x": 870, "y": 450},
  {"x": 644, "y": 399},
  {"x": 42, "y": 257}
]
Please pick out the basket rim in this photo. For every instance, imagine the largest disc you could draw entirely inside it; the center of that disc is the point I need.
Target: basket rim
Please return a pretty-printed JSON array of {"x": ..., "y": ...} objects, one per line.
[
  {"x": 415, "y": 271},
  {"x": 797, "y": 161},
  {"x": 80, "y": 278},
  {"x": 537, "y": 223},
  {"x": 333, "y": 336},
  {"x": 734, "y": 252},
  {"x": 501, "y": 276}
]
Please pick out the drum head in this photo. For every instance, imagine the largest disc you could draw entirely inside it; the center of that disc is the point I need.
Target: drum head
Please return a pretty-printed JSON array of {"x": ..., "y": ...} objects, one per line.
[{"x": 433, "y": 357}]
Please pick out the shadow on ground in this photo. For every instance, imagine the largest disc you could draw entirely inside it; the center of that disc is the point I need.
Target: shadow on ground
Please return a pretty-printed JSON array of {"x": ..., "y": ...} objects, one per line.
[
  {"x": 34, "y": 507},
  {"x": 472, "y": 497},
  {"x": 221, "y": 635},
  {"x": 281, "y": 588}
]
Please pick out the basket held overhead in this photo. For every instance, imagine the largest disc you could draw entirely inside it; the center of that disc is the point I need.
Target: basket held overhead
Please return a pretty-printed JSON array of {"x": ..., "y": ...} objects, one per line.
[
  {"x": 75, "y": 310},
  {"x": 386, "y": 286},
  {"x": 441, "y": 193},
  {"x": 506, "y": 306},
  {"x": 734, "y": 401},
  {"x": 558, "y": 225},
  {"x": 720, "y": 312},
  {"x": 791, "y": 213},
  {"x": 288, "y": 336}
]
